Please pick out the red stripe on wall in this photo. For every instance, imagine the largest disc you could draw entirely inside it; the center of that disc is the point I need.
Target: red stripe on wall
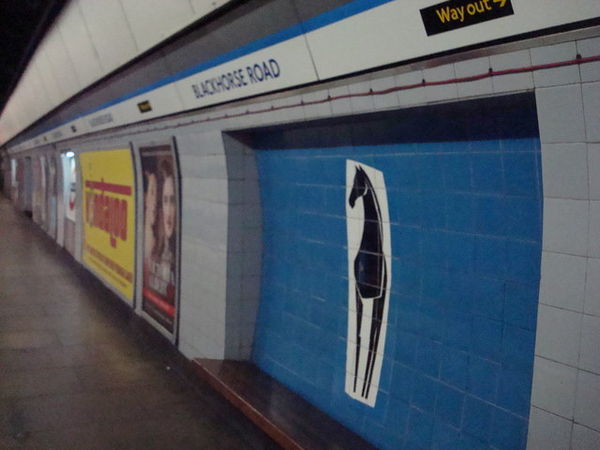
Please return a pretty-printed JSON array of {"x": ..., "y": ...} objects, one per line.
[{"x": 109, "y": 187}]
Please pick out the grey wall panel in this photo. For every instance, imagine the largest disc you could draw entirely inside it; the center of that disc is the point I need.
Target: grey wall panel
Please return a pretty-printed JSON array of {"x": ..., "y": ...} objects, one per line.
[
  {"x": 307, "y": 10},
  {"x": 247, "y": 23}
]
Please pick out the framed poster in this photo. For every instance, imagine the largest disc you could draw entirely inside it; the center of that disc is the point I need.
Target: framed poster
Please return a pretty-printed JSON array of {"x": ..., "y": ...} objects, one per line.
[
  {"x": 161, "y": 212},
  {"x": 108, "y": 186}
]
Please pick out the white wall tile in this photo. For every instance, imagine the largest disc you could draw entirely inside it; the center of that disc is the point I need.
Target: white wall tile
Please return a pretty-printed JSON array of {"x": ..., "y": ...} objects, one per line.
[
  {"x": 565, "y": 171},
  {"x": 414, "y": 95},
  {"x": 62, "y": 65},
  {"x": 585, "y": 438},
  {"x": 49, "y": 81},
  {"x": 473, "y": 67},
  {"x": 341, "y": 105},
  {"x": 385, "y": 101},
  {"x": 566, "y": 226},
  {"x": 292, "y": 114},
  {"x": 554, "y": 387},
  {"x": 594, "y": 170},
  {"x": 317, "y": 110},
  {"x": 208, "y": 189},
  {"x": 555, "y": 53},
  {"x": 563, "y": 280},
  {"x": 595, "y": 229},
  {"x": 591, "y": 106},
  {"x": 588, "y": 399},
  {"x": 152, "y": 21},
  {"x": 587, "y": 48},
  {"x": 592, "y": 287},
  {"x": 512, "y": 82},
  {"x": 443, "y": 91},
  {"x": 362, "y": 103},
  {"x": 200, "y": 144},
  {"x": 78, "y": 42},
  {"x": 199, "y": 166},
  {"x": 590, "y": 344},
  {"x": 560, "y": 114},
  {"x": 107, "y": 25},
  {"x": 548, "y": 431},
  {"x": 202, "y": 7},
  {"x": 558, "y": 332}
]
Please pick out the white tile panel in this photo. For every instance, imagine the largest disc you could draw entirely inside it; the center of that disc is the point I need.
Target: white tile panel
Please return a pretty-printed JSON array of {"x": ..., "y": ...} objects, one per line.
[
  {"x": 590, "y": 344},
  {"x": 42, "y": 65},
  {"x": 594, "y": 170},
  {"x": 516, "y": 81},
  {"x": 587, "y": 48},
  {"x": 560, "y": 114},
  {"x": 558, "y": 334},
  {"x": 554, "y": 387},
  {"x": 591, "y": 106},
  {"x": 364, "y": 102},
  {"x": 473, "y": 67},
  {"x": 39, "y": 100},
  {"x": 385, "y": 101},
  {"x": 154, "y": 20},
  {"x": 340, "y": 106},
  {"x": 592, "y": 287},
  {"x": 443, "y": 91},
  {"x": 585, "y": 438},
  {"x": 565, "y": 171},
  {"x": 79, "y": 45},
  {"x": 61, "y": 64},
  {"x": 563, "y": 280},
  {"x": 110, "y": 32},
  {"x": 207, "y": 189},
  {"x": 594, "y": 244},
  {"x": 548, "y": 431},
  {"x": 319, "y": 109},
  {"x": 203, "y": 7},
  {"x": 551, "y": 54},
  {"x": 588, "y": 399},
  {"x": 566, "y": 226},
  {"x": 414, "y": 95}
]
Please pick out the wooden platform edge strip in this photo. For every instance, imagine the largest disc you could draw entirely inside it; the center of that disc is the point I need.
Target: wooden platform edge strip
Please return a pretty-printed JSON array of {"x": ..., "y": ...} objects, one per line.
[{"x": 220, "y": 374}]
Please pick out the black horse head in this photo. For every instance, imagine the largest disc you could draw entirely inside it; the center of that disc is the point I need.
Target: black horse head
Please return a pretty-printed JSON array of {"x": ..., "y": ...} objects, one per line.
[{"x": 359, "y": 186}]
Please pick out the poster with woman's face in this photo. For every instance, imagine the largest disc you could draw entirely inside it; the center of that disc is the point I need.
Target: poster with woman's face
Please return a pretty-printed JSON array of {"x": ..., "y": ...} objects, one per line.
[{"x": 161, "y": 234}]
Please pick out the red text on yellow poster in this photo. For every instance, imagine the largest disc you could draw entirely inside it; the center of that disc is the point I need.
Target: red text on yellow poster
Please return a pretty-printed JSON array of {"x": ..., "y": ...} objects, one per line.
[{"x": 109, "y": 217}]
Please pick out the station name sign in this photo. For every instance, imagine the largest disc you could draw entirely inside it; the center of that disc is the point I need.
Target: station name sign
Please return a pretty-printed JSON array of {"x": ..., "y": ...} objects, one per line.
[{"x": 454, "y": 14}]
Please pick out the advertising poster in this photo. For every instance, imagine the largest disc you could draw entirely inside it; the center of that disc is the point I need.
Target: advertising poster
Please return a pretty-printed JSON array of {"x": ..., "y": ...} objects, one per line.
[
  {"x": 161, "y": 234},
  {"x": 109, "y": 217}
]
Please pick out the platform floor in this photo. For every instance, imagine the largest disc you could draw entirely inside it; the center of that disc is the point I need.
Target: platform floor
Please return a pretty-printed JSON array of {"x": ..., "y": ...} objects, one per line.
[{"x": 78, "y": 372}]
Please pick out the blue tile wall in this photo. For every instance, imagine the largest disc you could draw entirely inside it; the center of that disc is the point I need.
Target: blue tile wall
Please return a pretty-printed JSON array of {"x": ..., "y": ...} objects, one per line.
[{"x": 466, "y": 241}]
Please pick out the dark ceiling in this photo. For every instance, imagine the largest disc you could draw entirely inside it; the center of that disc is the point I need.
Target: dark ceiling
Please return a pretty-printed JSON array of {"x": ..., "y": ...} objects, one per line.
[{"x": 23, "y": 24}]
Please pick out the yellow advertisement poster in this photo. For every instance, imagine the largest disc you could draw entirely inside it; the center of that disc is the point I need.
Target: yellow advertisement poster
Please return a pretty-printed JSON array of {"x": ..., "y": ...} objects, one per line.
[{"x": 109, "y": 217}]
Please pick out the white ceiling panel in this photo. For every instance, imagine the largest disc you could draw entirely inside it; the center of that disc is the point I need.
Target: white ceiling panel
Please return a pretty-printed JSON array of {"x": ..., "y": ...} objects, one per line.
[
  {"x": 62, "y": 66},
  {"x": 39, "y": 92},
  {"x": 154, "y": 20},
  {"x": 79, "y": 46},
  {"x": 110, "y": 32},
  {"x": 203, "y": 7},
  {"x": 41, "y": 63}
]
